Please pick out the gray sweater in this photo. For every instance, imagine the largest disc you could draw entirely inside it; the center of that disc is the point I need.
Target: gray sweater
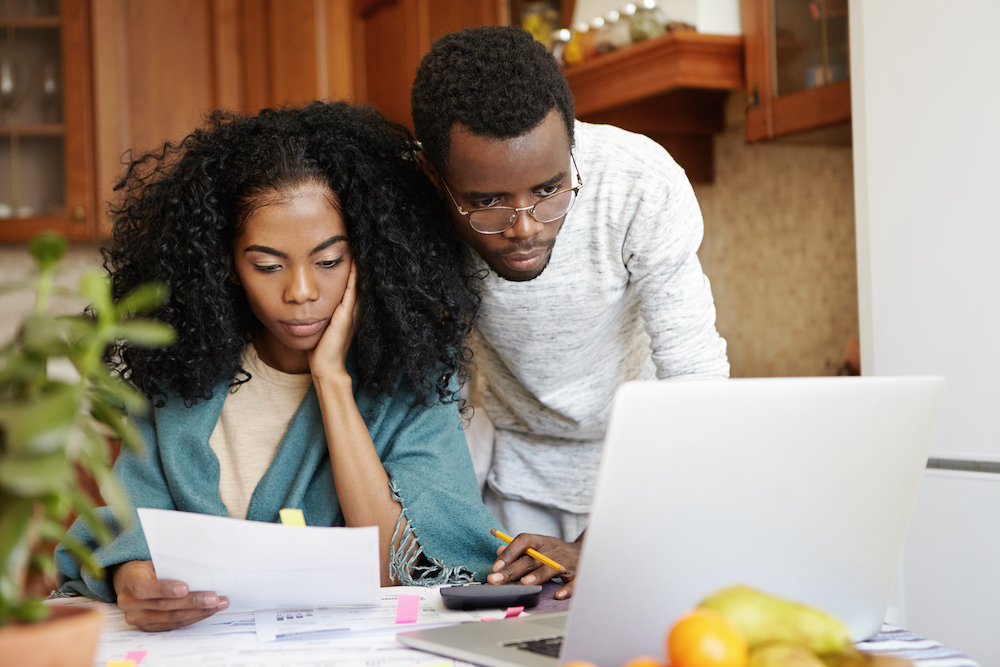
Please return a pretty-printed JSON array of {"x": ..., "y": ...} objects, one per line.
[{"x": 623, "y": 298}]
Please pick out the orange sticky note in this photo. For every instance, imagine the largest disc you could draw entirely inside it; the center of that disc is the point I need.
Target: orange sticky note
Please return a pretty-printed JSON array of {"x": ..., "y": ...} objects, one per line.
[
  {"x": 407, "y": 607},
  {"x": 291, "y": 516}
]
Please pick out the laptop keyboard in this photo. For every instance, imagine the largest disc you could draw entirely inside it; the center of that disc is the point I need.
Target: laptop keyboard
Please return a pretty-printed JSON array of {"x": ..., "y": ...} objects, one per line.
[{"x": 549, "y": 646}]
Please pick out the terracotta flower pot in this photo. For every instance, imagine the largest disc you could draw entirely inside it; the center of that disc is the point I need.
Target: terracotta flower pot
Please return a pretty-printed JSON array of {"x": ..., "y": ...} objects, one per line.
[{"x": 68, "y": 638}]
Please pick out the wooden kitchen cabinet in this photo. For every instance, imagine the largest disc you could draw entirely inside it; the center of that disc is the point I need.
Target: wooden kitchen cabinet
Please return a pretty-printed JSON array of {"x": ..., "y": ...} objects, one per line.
[
  {"x": 672, "y": 89},
  {"x": 797, "y": 67},
  {"x": 391, "y": 36},
  {"x": 46, "y": 137}
]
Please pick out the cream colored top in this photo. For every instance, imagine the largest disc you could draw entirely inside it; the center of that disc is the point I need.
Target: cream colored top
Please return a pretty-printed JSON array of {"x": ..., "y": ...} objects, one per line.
[{"x": 253, "y": 421}]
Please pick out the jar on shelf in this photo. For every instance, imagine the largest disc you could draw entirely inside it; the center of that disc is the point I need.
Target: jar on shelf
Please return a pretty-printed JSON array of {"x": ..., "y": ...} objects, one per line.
[
  {"x": 619, "y": 30},
  {"x": 647, "y": 21}
]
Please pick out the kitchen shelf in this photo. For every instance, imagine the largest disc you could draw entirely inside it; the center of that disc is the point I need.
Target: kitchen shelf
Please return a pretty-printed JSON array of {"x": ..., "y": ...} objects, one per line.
[
  {"x": 40, "y": 130},
  {"x": 672, "y": 88}
]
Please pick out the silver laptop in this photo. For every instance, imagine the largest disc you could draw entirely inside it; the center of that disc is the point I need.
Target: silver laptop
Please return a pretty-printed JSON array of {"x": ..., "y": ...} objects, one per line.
[{"x": 801, "y": 487}]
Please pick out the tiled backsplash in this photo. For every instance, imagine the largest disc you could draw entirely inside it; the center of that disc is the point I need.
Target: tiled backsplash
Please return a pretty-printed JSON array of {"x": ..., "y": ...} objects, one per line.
[{"x": 779, "y": 250}]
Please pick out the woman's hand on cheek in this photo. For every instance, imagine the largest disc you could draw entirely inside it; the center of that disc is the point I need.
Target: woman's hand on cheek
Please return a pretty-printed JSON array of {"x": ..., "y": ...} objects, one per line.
[
  {"x": 154, "y": 605},
  {"x": 330, "y": 354}
]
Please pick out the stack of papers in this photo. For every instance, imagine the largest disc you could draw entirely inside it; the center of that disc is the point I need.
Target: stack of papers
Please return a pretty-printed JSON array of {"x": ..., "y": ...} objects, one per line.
[
  {"x": 300, "y": 597},
  {"x": 303, "y": 637}
]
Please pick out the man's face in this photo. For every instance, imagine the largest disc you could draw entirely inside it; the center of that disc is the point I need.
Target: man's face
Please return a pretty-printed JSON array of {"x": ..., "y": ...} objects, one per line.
[{"x": 484, "y": 171}]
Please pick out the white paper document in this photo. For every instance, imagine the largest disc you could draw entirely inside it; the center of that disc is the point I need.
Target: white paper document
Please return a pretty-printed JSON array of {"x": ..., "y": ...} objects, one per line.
[
  {"x": 260, "y": 565},
  {"x": 283, "y": 624}
]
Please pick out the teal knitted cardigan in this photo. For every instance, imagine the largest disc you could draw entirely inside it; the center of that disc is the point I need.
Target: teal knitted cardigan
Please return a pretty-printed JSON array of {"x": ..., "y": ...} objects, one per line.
[{"x": 422, "y": 448}]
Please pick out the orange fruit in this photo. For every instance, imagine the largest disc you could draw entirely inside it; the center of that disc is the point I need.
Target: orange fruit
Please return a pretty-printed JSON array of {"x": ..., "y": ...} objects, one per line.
[
  {"x": 706, "y": 638},
  {"x": 644, "y": 661}
]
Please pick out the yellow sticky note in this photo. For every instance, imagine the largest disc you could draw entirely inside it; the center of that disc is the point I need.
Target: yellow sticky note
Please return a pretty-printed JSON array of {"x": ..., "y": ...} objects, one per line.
[
  {"x": 291, "y": 516},
  {"x": 121, "y": 663}
]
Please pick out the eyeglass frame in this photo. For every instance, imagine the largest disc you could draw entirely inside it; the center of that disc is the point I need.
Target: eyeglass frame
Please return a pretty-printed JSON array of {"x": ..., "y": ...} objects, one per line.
[{"x": 515, "y": 211}]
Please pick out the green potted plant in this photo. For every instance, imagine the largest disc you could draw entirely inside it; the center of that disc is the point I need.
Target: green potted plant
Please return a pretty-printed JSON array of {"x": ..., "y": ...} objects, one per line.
[{"x": 55, "y": 433}]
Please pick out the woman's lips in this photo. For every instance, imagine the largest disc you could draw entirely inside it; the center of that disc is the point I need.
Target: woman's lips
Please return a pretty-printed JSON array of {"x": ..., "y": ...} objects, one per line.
[{"x": 303, "y": 327}]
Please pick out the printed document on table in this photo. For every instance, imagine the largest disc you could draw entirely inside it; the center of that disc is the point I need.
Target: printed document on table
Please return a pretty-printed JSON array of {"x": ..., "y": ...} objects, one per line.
[
  {"x": 260, "y": 565},
  {"x": 284, "y": 624}
]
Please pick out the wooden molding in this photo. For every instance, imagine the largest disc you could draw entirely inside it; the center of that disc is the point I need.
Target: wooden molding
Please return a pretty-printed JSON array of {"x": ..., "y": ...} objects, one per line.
[
  {"x": 678, "y": 59},
  {"x": 673, "y": 89}
]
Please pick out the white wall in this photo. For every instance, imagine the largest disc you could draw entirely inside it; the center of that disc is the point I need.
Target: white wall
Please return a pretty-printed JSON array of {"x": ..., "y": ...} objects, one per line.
[{"x": 926, "y": 114}]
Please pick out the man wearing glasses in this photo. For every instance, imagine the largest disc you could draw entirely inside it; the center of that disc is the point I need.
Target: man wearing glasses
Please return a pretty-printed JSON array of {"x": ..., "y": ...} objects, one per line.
[{"x": 621, "y": 296}]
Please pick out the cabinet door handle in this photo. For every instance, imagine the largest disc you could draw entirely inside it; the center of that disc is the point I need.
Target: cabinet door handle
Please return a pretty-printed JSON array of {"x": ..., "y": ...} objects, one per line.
[{"x": 79, "y": 214}]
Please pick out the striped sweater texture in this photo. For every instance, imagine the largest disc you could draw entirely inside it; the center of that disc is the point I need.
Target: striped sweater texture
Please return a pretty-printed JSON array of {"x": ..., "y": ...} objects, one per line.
[{"x": 624, "y": 297}]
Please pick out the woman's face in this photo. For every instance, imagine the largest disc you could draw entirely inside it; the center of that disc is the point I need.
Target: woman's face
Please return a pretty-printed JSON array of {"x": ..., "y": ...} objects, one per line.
[{"x": 293, "y": 259}]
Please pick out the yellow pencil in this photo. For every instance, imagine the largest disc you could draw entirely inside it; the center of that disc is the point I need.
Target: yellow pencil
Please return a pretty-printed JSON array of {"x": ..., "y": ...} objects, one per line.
[{"x": 531, "y": 552}]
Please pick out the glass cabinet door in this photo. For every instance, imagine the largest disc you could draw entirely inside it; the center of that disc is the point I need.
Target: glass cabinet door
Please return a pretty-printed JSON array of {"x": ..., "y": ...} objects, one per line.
[
  {"x": 43, "y": 156},
  {"x": 797, "y": 68},
  {"x": 810, "y": 44}
]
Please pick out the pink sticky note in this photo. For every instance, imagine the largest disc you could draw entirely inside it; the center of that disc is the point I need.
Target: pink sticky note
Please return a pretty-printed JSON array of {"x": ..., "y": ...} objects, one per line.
[
  {"x": 407, "y": 607},
  {"x": 514, "y": 612},
  {"x": 136, "y": 656}
]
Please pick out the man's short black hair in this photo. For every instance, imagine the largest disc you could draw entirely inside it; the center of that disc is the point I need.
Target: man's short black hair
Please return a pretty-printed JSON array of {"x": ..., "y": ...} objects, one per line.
[{"x": 498, "y": 81}]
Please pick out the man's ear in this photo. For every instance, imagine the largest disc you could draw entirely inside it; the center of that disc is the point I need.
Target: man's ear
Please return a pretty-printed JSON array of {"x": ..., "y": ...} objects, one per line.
[{"x": 429, "y": 169}]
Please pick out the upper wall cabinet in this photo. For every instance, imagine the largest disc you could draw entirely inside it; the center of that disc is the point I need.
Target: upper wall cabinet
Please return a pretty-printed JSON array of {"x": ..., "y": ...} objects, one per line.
[
  {"x": 391, "y": 36},
  {"x": 45, "y": 122},
  {"x": 797, "y": 67}
]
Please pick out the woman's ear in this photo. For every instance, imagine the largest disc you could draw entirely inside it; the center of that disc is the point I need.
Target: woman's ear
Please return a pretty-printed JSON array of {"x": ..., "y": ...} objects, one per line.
[{"x": 429, "y": 169}]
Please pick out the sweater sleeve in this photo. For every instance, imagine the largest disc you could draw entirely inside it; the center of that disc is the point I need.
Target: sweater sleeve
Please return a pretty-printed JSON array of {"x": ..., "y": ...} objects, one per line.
[
  {"x": 660, "y": 253},
  {"x": 424, "y": 452},
  {"x": 141, "y": 475}
]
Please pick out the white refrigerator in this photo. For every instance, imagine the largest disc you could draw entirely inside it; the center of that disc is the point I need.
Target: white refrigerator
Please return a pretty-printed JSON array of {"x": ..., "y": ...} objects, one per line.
[{"x": 926, "y": 120}]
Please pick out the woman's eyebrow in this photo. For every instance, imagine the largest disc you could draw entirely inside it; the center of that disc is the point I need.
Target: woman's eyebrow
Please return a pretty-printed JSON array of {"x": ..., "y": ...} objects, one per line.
[
  {"x": 329, "y": 242},
  {"x": 277, "y": 253},
  {"x": 266, "y": 250}
]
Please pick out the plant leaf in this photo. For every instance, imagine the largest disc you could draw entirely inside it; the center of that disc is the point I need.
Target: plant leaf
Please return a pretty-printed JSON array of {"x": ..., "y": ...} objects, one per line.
[
  {"x": 15, "y": 514},
  {"x": 34, "y": 476},
  {"x": 96, "y": 290},
  {"x": 116, "y": 498},
  {"x": 146, "y": 333},
  {"x": 83, "y": 506},
  {"x": 125, "y": 430},
  {"x": 44, "y": 562},
  {"x": 130, "y": 398},
  {"x": 46, "y": 335},
  {"x": 32, "y": 610},
  {"x": 48, "y": 248},
  {"x": 83, "y": 555},
  {"x": 40, "y": 426},
  {"x": 143, "y": 299}
]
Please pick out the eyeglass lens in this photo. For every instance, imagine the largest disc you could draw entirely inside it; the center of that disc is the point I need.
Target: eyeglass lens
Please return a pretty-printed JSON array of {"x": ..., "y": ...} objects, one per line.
[{"x": 501, "y": 219}]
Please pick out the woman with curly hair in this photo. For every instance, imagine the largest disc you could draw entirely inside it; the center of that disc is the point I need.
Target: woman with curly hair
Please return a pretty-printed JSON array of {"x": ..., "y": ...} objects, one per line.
[{"x": 320, "y": 323}]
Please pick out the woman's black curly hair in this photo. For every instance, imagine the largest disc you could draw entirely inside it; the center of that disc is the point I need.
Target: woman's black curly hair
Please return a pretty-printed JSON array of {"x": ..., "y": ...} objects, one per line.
[
  {"x": 182, "y": 207},
  {"x": 498, "y": 81}
]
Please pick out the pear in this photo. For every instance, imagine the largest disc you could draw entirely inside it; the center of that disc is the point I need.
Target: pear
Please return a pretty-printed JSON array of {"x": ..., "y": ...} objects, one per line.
[
  {"x": 764, "y": 618},
  {"x": 783, "y": 654}
]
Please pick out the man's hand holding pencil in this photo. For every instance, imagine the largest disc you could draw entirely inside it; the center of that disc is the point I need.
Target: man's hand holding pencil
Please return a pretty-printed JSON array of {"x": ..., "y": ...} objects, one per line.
[{"x": 534, "y": 559}]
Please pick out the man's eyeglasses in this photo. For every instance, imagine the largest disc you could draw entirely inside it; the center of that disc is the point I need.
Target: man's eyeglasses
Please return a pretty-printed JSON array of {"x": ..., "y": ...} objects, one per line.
[{"x": 498, "y": 219}]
